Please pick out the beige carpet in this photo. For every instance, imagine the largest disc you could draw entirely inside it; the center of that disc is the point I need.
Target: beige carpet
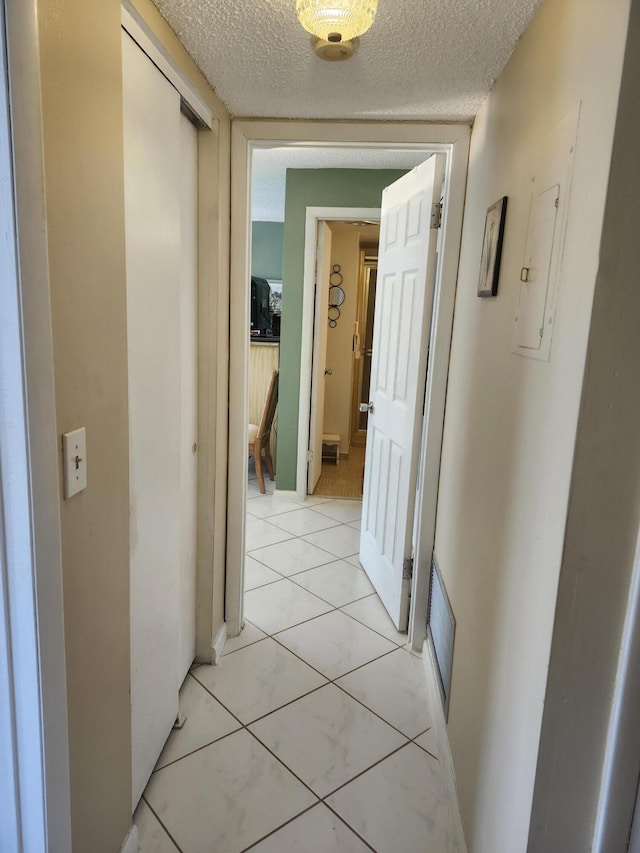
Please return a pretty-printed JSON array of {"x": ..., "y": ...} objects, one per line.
[{"x": 345, "y": 479}]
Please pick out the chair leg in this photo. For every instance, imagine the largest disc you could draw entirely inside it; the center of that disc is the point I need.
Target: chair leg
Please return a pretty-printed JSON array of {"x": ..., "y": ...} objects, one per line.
[
  {"x": 267, "y": 458},
  {"x": 257, "y": 458}
]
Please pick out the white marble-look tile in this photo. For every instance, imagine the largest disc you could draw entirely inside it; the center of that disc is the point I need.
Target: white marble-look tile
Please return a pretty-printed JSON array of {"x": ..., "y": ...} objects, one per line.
[
  {"x": 400, "y": 804},
  {"x": 327, "y": 738},
  {"x": 314, "y": 500},
  {"x": 370, "y": 611},
  {"x": 280, "y": 605},
  {"x": 226, "y": 796},
  {"x": 428, "y": 740},
  {"x": 342, "y": 510},
  {"x": 259, "y": 533},
  {"x": 338, "y": 583},
  {"x": 356, "y": 525},
  {"x": 253, "y": 489},
  {"x": 151, "y": 835},
  {"x": 315, "y": 831},
  {"x": 292, "y": 556},
  {"x": 394, "y": 687},
  {"x": 334, "y": 644},
  {"x": 342, "y": 541},
  {"x": 303, "y": 521},
  {"x": 255, "y": 574},
  {"x": 258, "y": 679},
  {"x": 249, "y": 634},
  {"x": 206, "y": 721},
  {"x": 271, "y": 505},
  {"x": 354, "y": 559}
]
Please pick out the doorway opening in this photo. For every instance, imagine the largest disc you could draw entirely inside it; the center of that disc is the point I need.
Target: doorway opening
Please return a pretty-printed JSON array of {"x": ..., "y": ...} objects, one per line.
[
  {"x": 250, "y": 138},
  {"x": 335, "y": 432}
]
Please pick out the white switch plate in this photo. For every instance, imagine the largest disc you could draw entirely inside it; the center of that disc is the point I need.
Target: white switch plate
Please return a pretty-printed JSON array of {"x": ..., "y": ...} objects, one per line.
[{"x": 74, "y": 457}]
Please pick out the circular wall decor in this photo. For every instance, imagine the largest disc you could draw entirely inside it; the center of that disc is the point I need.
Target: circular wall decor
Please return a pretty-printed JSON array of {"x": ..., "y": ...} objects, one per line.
[
  {"x": 336, "y": 296},
  {"x": 334, "y": 316},
  {"x": 335, "y": 276}
]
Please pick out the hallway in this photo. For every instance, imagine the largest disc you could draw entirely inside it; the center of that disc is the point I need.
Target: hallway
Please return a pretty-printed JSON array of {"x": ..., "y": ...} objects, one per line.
[{"x": 314, "y": 732}]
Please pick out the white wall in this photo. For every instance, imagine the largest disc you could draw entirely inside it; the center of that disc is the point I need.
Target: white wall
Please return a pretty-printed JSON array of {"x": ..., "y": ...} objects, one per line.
[{"x": 511, "y": 422}]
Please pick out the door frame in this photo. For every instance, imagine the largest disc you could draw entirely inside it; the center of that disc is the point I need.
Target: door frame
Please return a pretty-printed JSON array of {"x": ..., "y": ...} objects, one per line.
[
  {"x": 249, "y": 134},
  {"x": 314, "y": 215},
  {"x": 35, "y": 813}
]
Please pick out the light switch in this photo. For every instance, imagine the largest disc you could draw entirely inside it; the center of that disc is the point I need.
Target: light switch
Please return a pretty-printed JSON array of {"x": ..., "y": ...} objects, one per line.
[{"x": 74, "y": 457}]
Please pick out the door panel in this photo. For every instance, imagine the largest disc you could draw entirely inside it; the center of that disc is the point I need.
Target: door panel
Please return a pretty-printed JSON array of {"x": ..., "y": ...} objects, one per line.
[
  {"x": 188, "y": 391},
  {"x": 323, "y": 269},
  {"x": 406, "y": 266},
  {"x": 160, "y": 291}
]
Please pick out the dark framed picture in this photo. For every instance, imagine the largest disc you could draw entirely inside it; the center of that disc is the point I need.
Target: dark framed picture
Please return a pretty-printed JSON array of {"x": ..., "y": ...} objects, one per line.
[{"x": 492, "y": 248}]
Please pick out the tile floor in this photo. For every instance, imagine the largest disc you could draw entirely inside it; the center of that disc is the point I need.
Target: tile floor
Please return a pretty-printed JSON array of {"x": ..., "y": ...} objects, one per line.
[{"x": 313, "y": 734}]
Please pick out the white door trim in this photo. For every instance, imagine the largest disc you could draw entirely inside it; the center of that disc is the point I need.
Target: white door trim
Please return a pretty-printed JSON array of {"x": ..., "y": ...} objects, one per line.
[
  {"x": 453, "y": 193},
  {"x": 248, "y": 134},
  {"x": 313, "y": 216},
  {"x": 32, "y": 653}
]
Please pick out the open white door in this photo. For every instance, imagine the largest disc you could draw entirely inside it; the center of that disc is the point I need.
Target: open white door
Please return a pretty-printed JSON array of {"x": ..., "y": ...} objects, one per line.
[
  {"x": 316, "y": 416},
  {"x": 406, "y": 274}
]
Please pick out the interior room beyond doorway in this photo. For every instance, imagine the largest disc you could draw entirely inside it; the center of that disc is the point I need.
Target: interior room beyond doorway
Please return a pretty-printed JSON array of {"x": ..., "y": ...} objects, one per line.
[{"x": 346, "y": 368}]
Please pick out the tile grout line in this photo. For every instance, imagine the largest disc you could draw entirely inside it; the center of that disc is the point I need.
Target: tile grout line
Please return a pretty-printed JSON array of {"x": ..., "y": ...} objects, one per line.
[
  {"x": 278, "y": 828},
  {"x": 313, "y": 545},
  {"x": 157, "y": 817},
  {"x": 328, "y": 681},
  {"x": 302, "y": 572},
  {"x": 355, "y": 831},
  {"x": 311, "y": 618},
  {"x": 366, "y": 770}
]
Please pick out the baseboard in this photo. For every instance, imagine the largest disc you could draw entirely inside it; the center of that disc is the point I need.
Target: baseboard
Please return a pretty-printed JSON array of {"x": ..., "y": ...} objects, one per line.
[
  {"x": 218, "y": 644},
  {"x": 131, "y": 843},
  {"x": 444, "y": 751},
  {"x": 285, "y": 495}
]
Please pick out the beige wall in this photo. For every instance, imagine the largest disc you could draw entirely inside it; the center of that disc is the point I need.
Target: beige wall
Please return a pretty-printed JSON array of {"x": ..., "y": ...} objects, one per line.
[
  {"x": 589, "y": 748},
  {"x": 511, "y": 422},
  {"x": 82, "y": 126}
]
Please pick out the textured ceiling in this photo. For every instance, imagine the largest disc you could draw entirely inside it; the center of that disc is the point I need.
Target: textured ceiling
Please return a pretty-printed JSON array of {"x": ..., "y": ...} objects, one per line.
[
  {"x": 422, "y": 59},
  {"x": 269, "y": 166}
]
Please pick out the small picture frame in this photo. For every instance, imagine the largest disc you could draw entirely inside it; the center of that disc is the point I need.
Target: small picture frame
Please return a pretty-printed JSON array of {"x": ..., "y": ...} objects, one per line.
[{"x": 492, "y": 248}]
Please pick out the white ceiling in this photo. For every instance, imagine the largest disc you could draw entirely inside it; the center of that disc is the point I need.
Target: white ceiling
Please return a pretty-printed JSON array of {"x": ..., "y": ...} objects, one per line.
[
  {"x": 269, "y": 167},
  {"x": 422, "y": 59}
]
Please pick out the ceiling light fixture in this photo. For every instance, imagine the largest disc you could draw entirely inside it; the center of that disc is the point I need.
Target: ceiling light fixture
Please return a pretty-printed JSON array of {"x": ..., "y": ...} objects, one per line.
[{"x": 336, "y": 24}]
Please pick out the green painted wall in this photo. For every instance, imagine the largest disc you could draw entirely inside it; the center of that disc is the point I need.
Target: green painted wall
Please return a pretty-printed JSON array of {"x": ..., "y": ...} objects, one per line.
[
  {"x": 266, "y": 249},
  {"x": 310, "y": 188}
]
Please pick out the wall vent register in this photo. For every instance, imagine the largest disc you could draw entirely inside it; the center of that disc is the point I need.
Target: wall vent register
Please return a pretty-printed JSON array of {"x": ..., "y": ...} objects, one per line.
[{"x": 441, "y": 629}]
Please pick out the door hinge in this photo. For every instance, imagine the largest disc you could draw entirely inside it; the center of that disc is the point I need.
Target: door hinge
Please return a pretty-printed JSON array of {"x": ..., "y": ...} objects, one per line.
[
  {"x": 309, "y": 455},
  {"x": 407, "y": 569},
  {"x": 436, "y": 215}
]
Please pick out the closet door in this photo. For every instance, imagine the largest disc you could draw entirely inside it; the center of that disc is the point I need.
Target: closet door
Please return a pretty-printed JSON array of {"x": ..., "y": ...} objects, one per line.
[
  {"x": 160, "y": 628},
  {"x": 188, "y": 390}
]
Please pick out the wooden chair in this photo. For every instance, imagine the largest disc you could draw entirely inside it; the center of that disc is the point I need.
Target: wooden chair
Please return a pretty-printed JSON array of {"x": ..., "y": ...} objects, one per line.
[{"x": 260, "y": 435}]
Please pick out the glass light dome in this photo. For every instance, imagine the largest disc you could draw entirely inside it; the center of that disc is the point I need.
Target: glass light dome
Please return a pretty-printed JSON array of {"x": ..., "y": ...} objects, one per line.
[{"x": 336, "y": 20}]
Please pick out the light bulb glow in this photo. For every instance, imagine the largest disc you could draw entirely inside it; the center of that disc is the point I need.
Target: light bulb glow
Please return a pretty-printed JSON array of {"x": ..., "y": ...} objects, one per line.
[{"x": 328, "y": 18}]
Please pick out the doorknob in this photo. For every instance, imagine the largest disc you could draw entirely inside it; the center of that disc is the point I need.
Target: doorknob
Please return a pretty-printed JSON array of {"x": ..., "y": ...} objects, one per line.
[
  {"x": 328, "y": 372},
  {"x": 366, "y": 407}
]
